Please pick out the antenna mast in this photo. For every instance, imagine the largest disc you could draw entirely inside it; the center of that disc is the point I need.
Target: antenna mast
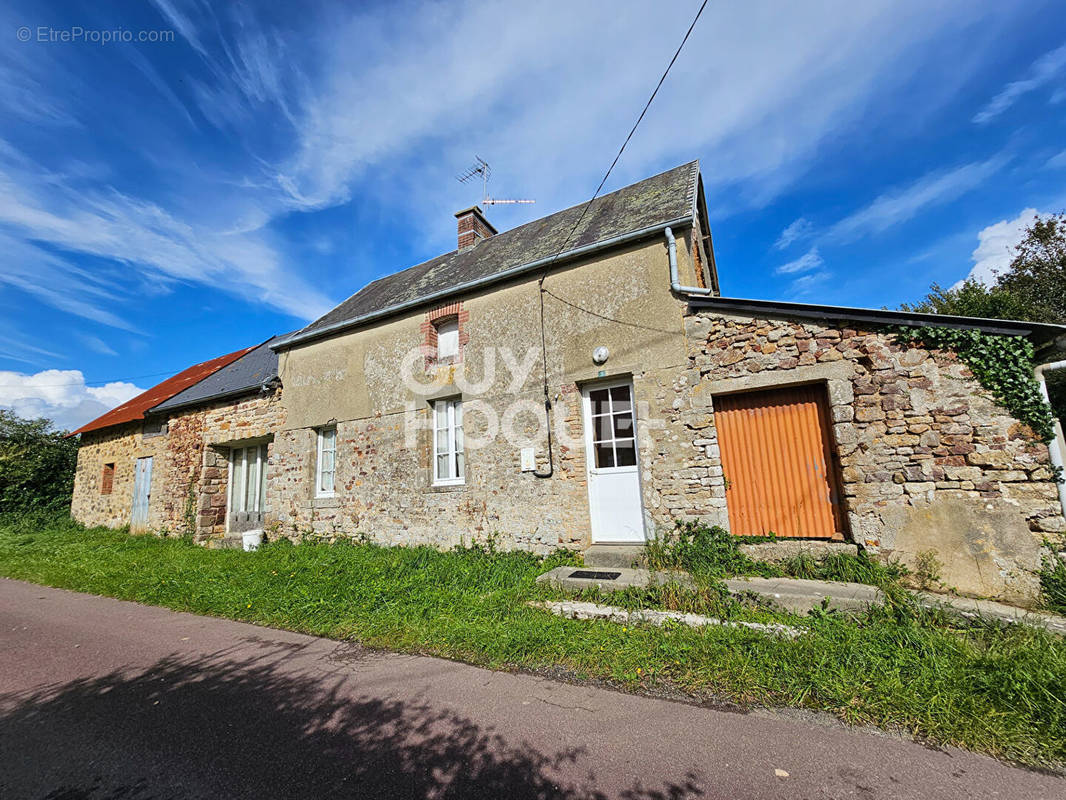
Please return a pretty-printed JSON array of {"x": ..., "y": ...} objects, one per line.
[{"x": 481, "y": 167}]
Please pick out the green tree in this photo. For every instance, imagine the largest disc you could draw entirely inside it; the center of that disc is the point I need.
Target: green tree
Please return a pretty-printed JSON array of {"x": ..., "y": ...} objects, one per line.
[
  {"x": 1032, "y": 288},
  {"x": 37, "y": 464},
  {"x": 1037, "y": 275},
  {"x": 971, "y": 298}
]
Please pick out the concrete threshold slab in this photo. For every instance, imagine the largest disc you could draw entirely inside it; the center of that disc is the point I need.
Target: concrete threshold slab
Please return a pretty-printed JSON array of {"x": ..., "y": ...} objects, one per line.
[
  {"x": 801, "y": 596},
  {"x": 576, "y": 610},
  {"x": 627, "y": 577}
]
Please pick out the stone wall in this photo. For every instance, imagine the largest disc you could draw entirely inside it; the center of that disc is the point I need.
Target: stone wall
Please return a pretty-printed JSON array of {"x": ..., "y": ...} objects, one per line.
[
  {"x": 197, "y": 463},
  {"x": 121, "y": 445},
  {"x": 385, "y": 492},
  {"x": 929, "y": 461},
  {"x": 189, "y": 466}
]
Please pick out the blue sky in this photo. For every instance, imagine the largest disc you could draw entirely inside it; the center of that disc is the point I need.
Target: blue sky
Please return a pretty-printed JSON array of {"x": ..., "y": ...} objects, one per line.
[{"x": 166, "y": 202}]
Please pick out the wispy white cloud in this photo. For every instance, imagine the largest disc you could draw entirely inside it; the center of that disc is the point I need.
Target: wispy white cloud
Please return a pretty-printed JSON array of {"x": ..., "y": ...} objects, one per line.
[
  {"x": 1057, "y": 161},
  {"x": 805, "y": 285},
  {"x": 40, "y": 208},
  {"x": 996, "y": 243},
  {"x": 901, "y": 204},
  {"x": 61, "y": 395},
  {"x": 798, "y": 81},
  {"x": 1043, "y": 71},
  {"x": 344, "y": 101},
  {"x": 96, "y": 344},
  {"x": 799, "y": 229},
  {"x": 808, "y": 261}
]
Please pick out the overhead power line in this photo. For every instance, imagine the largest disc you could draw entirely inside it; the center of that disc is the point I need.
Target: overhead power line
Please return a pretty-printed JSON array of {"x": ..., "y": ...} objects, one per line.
[{"x": 581, "y": 217}]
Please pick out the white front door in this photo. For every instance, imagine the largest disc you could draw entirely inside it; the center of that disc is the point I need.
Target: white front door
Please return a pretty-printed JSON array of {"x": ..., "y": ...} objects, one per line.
[
  {"x": 142, "y": 492},
  {"x": 611, "y": 453}
]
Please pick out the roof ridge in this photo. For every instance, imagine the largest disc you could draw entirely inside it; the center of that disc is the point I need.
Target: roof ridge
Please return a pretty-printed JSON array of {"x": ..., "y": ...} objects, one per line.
[
  {"x": 667, "y": 196},
  {"x": 695, "y": 163}
]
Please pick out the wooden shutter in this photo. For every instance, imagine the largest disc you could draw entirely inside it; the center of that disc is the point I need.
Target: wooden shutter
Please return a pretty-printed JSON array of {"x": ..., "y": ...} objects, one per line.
[{"x": 777, "y": 458}]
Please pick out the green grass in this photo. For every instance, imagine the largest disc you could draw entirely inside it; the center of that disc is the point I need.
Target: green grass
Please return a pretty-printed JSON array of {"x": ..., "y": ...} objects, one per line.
[
  {"x": 997, "y": 691},
  {"x": 1053, "y": 584}
]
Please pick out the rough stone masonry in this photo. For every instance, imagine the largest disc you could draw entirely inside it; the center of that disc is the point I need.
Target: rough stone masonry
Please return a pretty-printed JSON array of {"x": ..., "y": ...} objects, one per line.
[{"x": 929, "y": 461}]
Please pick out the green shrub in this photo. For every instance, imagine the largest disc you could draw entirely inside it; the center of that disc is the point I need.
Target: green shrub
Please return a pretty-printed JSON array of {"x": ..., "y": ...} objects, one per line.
[
  {"x": 708, "y": 553},
  {"x": 36, "y": 465}
]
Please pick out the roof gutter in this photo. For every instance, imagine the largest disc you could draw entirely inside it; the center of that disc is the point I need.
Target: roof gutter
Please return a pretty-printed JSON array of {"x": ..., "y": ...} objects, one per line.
[
  {"x": 258, "y": 387},
  {"x": 336, "y": 327},
  {"x": 878, "y": 316},
  {"x": 1055, "y": 446}
]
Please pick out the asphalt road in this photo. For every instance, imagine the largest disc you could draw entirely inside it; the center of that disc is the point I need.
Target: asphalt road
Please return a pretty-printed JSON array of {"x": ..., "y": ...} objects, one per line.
[{"x": 105, "y": 699}]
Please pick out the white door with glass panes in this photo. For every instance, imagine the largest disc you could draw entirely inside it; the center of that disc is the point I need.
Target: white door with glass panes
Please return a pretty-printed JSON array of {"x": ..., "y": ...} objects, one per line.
[
  {"x": 247, "y": 487},
  {"x": 614, "y": 479}
]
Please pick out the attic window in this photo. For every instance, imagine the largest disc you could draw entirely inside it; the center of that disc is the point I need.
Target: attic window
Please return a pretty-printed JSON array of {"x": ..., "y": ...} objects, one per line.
[
  {"x": 154, "y": 427},
  {"x": 448, "y": 338}
]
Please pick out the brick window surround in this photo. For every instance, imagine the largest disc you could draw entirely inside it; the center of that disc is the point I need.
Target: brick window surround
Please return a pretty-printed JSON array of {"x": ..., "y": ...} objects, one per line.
[
  {"x": 451, "y": 311},
  {"x": 107, "y": 479}
]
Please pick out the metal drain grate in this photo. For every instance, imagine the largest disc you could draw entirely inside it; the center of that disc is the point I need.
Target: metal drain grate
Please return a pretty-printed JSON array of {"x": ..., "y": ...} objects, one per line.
[{"x": 593, "y": 575}]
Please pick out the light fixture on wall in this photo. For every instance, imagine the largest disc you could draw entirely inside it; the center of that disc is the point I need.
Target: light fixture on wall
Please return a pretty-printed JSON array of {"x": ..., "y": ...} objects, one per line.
[{"x": 600, "y": 354}]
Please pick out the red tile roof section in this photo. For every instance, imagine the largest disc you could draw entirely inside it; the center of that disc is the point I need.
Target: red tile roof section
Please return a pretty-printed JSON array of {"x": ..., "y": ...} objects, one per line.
[{"x": 134, "y": 409}]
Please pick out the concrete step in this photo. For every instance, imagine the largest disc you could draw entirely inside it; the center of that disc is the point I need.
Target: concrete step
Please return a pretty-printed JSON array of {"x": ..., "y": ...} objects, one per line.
[
  {"x": 801, "y": 596},
  {"x": 610, "y": 579},
  {"x": 614, "y": 555},
  {"x": 231, "y": 541}
]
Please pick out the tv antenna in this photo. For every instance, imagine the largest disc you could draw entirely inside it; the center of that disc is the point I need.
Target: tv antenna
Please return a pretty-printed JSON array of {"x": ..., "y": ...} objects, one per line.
[{"x": 481, "y": 167}]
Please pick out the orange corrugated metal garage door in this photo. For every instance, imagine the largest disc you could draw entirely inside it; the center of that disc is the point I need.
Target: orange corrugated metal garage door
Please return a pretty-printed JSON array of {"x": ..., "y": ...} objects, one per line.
[{"x": 776, "y": 456}]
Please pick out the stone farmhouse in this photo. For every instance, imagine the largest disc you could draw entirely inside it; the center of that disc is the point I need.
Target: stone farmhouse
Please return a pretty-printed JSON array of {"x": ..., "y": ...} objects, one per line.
[{"x": 580, "y": 382}]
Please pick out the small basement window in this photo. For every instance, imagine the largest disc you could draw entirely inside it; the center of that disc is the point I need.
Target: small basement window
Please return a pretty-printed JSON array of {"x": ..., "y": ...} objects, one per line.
[
  {"x": 107, "y": 479},
  {"x": 447, "y": 339}
]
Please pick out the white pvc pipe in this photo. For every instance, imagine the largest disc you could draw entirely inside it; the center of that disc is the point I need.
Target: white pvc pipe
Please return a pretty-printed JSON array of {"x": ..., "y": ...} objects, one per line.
[
  {"x": 1055, "y": 447},
  {"x": 675, "y": 281}
]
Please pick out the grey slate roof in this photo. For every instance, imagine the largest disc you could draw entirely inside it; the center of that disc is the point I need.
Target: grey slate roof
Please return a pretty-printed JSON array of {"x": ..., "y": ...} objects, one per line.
[
  {"x": 669, "y": 196},
  {"x": 246, "y": 374}
]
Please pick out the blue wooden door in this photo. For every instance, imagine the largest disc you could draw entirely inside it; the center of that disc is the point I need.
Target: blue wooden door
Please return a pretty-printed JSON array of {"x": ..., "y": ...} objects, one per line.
[{"x": 142, "y": 492}]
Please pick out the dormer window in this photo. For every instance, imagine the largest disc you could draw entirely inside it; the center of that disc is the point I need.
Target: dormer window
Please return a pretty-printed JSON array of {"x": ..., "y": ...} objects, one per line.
[{"x": 447, "y": 339}]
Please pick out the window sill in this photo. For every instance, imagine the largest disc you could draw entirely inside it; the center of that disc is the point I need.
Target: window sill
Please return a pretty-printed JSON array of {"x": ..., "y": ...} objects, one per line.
[
  {"x": 325, "y": 501},
  {"x": 452, "y": 486}
]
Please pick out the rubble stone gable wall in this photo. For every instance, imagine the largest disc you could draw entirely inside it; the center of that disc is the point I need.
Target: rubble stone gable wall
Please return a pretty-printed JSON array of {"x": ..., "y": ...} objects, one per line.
[
  {"x": 121, "y": 445},
  {"x": 930, "y": 462}
]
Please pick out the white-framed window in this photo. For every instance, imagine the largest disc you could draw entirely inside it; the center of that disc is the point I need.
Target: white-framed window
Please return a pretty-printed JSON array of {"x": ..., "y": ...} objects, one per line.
[
  {"x": 447, "y": 339},
  {"x": 449, "y": 463},
  {"x": 326, "y": 463},
  {"x": 247, "y": 483}
]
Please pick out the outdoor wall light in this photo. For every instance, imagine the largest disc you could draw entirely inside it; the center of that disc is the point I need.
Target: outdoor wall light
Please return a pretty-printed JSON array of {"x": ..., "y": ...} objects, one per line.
[{"x": 600, "y": 354}]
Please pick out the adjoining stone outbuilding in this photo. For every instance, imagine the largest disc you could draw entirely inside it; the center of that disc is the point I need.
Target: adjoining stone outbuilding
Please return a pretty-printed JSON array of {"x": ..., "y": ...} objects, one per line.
[
  {"x": 579, "y": 381},
  {"x": 170, "y": 467}
]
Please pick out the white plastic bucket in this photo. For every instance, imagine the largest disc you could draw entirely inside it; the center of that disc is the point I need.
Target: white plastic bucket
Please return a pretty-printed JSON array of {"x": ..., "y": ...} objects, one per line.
[{"x": 252, "y": 539}]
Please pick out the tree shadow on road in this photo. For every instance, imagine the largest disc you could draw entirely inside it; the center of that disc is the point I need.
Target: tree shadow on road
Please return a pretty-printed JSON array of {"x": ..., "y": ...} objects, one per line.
[{"x": 231, "y": 725}]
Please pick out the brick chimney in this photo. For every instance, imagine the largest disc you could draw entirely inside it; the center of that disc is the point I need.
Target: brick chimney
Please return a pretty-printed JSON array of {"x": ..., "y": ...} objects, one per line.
[{"x": 473, "y": 227}]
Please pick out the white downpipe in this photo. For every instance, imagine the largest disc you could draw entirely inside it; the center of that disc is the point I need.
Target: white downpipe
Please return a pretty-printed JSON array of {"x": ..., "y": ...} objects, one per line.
[
  {"x": 1055, "y": 448},
  {"x": 671, "y": 246}
]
